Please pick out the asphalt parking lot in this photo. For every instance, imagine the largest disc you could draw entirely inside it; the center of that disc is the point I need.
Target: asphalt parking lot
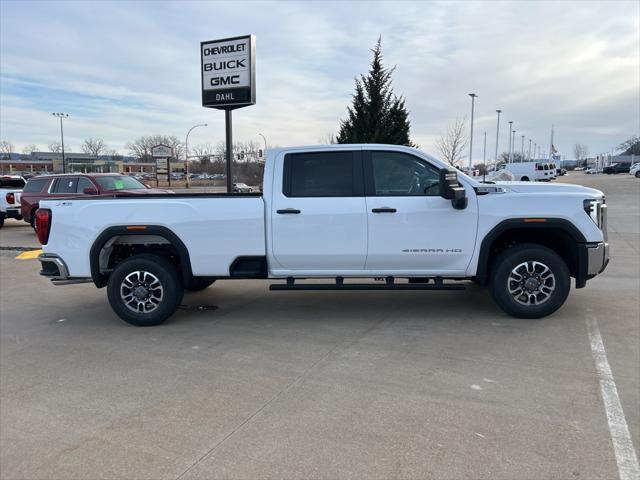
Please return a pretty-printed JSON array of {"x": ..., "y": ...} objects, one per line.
[{"x": 318, "y": 384}]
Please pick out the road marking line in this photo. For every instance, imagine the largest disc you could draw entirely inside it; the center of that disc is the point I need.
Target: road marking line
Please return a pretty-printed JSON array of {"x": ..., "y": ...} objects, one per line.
[
  {"x": 29, "y": 255},
  {"x": 626, "y": 458}
]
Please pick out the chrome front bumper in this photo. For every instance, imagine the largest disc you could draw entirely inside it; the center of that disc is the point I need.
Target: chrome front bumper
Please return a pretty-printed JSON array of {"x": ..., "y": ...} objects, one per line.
[{"x": 597, "y": 258}]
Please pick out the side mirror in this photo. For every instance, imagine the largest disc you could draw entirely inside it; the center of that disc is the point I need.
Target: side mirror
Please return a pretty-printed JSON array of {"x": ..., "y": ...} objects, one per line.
[
  {"x": 90, "y": 191},
  {"x": 451, "y": 189}
]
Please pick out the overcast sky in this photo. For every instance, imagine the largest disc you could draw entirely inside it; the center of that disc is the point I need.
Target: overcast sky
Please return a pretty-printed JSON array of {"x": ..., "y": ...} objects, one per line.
[{"x": 124, "y": 69}]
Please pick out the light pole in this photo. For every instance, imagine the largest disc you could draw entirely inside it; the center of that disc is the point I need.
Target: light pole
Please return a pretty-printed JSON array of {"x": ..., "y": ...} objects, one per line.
[
  {"x": 265, "y": 144},
  {"x": 497, "y": 134},
  {"x": 473, "y": 101},
  {"x": 529, "y": 154},
  {"x": 513, "y": 144},
  {"x": 61, "y": 116},
  {"x": 186, "y": 151},
  {"x": 522, "y": 149},
  {"x": 510, "y": 130},
  {"x": 484, "y": 157},
  {"x": 535, "y": 145}
]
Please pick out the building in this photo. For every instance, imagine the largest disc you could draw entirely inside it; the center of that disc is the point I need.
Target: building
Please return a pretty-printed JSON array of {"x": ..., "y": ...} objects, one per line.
[{"x": 51, "y": 162}]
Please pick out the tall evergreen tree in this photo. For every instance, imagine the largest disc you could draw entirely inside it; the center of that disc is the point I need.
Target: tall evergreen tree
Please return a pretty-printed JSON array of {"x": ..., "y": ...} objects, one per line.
[{"x": 376, "y": 114}]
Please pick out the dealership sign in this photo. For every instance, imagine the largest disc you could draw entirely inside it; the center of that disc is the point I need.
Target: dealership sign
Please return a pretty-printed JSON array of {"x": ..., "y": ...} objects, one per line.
[
  {"x": 228, "y": 72},
  {"x": 161, "y": 151}
]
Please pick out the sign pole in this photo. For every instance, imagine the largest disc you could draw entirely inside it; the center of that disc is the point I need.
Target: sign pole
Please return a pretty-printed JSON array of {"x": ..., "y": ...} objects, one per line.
[{"x": 229, "y": 148}]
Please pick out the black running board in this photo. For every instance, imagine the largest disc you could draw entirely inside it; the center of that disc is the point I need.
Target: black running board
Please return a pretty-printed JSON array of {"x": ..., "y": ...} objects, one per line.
[{"x": 365, "y": 286}]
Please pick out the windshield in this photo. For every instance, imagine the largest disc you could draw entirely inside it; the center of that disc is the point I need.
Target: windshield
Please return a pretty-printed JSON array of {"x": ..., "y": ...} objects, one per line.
[
  {"x": 119, "y": 182},
  {"x": 8, "y": 182}
]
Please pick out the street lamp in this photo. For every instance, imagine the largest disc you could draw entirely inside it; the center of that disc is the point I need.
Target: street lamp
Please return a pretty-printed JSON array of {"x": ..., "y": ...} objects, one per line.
[
  {"x": 529, "y": 154},
  {"x": 484, "y": 157},
  {"x": 510, "y": 130},
  {"x": 513, "y": 144},
  {"x": 61, "y": 116},
  {"x": 522, "y": 149},
  {"x": 473, "y": 101},
  {"x": 497, "y": 133},
  {"x": 186, "y": 150}
]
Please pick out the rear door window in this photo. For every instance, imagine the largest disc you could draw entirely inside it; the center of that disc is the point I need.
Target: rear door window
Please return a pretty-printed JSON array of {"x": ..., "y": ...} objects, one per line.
[
  {"x": 321, "y": 174},
  {"x": 65, "y": 185},
  {"x": 35, "y": 185}
]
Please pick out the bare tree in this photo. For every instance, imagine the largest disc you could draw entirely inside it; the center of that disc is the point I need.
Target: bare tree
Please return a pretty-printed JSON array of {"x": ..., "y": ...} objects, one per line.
[
  {"x": 516, "y": 157},
  {"x": 141, "y": 147},
  {"x": 6, "y": 149},
  {"x": 93, "y": 146},
  {"x": 29, "y": 149},
  {"x": 580, "y": 151},
  {"x": 453, "y": 142},
  {"x": 114, "y": 155},
  {"x": 55, "y": 147}
]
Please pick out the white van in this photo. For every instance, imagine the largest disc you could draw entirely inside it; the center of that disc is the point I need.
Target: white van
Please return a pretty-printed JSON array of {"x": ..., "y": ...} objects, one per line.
[{"x": 528, "y": 171}]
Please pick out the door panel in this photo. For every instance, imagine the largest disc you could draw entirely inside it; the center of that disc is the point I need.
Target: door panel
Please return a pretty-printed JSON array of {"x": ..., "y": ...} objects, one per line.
[
  {"x": 410, "y": 227},
  {"x": 322, "y": 223}
]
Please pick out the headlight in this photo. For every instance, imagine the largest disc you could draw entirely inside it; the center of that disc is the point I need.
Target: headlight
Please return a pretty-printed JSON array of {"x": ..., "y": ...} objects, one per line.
[{"x": 596, "y": 209}]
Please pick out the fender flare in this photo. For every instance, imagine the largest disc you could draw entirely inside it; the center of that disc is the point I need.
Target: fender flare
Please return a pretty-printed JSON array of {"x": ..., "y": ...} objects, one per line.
[
  {"x": 94, "y": 253},
  {"x": 482, "y": 272}
]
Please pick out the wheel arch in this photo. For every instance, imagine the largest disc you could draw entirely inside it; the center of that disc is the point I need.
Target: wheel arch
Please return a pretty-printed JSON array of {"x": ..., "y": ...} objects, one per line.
[
  {"x": 558, "y": 234},
  {"x": 137, "y": 235}
]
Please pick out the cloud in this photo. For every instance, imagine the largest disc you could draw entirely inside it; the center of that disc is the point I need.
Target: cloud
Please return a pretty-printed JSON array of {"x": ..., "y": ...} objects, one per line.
[{"x": 125, "y": 69}]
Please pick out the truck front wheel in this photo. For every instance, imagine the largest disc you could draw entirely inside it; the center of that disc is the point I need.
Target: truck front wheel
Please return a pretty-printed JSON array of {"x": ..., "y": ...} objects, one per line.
[
  {"x": 529, "y": 281},
  {"x": 145, "y": 290}
]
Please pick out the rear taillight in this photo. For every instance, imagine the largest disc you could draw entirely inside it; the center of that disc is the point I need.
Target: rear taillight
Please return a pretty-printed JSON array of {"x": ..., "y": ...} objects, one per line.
[
  {"x": 11, "y": 198},
  {"x": 43, "y": 225}
]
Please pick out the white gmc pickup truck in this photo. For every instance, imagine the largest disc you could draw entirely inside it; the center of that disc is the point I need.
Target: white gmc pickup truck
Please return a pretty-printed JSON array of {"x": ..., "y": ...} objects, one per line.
[{"x": 349, "y": 214}]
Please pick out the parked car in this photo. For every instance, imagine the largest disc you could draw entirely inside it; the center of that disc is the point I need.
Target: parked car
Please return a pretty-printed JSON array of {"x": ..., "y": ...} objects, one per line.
[
  {"x": 10, "y": 190},
  {"x": 74, "y": 185},
  {"x": 617, "y": 168},
  {"x": 341, "y": 213},
  {"x": 635, "y": 170},
  {"x": 592, "y": 171},
  {"x": 242, "y": 188}
]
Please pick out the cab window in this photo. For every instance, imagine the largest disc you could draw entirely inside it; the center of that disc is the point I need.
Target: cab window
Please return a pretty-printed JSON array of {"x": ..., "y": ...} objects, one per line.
[
  {"x": 65, "y": 185},
  {"x": 84, "y": 183},
  {"x": 402, "y": 174},
  {"x": 321, "y": 174}
]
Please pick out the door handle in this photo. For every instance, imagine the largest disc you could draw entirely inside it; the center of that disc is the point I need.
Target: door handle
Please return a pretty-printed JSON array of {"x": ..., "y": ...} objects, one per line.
[
  {"x": 384, "y": 210},
  {"x": 288, "y": 211}
]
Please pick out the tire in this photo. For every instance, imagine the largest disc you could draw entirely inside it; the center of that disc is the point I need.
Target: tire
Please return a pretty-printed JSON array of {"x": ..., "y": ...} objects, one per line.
[
  {"x": 527, "y": 262},
  {"x": 156, "y": 272},
  {"x": 638, "y": 174},
  {"x": 1, "y": 220},
  {"x": 32, "y": 219},
  {"x": 198, "y": 284},
  {"x": 524, "y": 179}
]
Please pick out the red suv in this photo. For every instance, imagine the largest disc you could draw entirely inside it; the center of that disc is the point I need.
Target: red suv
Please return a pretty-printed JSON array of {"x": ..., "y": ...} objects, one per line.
[{"x": 45, "y": 187}]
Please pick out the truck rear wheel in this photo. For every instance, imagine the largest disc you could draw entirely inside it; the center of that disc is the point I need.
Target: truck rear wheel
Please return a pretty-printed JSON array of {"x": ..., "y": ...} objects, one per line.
[
  {"x": 145, "y": 290},
  {"x": 529, "y": 281}
]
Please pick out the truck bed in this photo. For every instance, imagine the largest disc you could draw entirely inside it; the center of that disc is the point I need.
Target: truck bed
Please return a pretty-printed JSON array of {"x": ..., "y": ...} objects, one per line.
[{"x": 215, "y": 228}]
